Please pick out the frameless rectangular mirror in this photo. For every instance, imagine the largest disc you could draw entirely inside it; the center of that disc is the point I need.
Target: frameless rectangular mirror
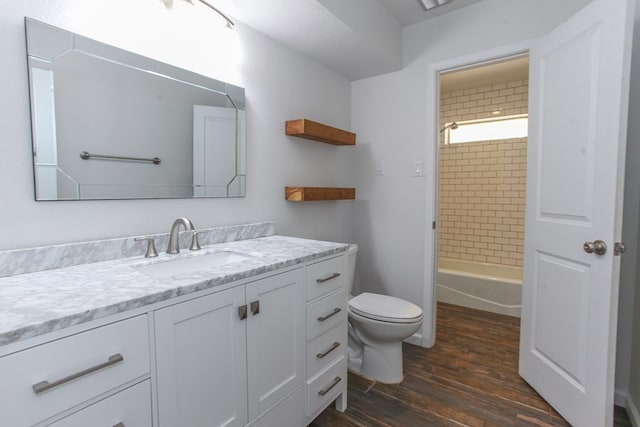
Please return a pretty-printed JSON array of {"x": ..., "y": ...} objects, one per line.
[{"x": 111, "y": 124}]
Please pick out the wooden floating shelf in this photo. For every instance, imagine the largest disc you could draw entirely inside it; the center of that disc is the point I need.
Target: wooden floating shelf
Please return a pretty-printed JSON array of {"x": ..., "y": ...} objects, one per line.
[
  {"x": 307, "y": 129},
  {"x": 312, "y": 194}
]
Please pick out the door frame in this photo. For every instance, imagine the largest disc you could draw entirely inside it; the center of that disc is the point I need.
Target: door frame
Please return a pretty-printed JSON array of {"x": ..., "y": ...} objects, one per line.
[{"x": 501, "y": 53}]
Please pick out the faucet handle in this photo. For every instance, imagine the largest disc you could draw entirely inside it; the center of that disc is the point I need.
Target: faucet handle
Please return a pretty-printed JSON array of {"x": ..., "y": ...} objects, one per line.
[
  {"x": 195, "y": 244},
  {"x": 151, "y": 246}
]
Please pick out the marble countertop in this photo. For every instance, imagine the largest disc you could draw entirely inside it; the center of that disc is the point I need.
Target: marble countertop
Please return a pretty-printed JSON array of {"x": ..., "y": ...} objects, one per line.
[{"x": 37, "y": 303}]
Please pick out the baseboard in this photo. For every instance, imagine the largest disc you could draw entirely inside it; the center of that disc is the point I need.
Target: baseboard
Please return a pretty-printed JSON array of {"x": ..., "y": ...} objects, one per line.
[
  {"x": 415, "y": 339},
  {"x": 620, "y": 398},
  {"x": 632, "y": 411}
]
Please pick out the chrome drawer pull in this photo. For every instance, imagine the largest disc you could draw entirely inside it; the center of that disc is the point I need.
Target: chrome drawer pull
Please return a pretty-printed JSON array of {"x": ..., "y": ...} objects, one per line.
[
  {"x": 119, "y": 425},
  {"x": 329, "y": 277},
  {"x": 335, "y": 382},
  {"x": 333, "y": 313},
  {"x": 329, "y": 350},
  {"x": 46, "y": 385}
]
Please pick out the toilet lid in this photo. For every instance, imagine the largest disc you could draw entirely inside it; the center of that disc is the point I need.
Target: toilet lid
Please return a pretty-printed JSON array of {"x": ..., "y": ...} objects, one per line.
[{"x": 385, "y": 308}]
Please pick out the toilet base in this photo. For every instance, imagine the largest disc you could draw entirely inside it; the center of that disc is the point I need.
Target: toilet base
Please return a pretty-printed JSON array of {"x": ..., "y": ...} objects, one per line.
[{"x": 383, "y": 363}]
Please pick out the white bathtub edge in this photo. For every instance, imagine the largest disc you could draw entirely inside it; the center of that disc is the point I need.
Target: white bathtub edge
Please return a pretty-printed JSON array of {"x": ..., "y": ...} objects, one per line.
[{"x": 452, "y": 296}]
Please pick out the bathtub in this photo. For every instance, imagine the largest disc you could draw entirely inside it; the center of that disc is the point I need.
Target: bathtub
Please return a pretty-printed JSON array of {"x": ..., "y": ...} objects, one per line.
[{"x": 487, "y": 287}]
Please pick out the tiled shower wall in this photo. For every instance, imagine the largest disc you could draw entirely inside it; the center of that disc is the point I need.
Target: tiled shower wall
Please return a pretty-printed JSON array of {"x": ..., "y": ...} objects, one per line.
[{"x": 482, "y": 184}]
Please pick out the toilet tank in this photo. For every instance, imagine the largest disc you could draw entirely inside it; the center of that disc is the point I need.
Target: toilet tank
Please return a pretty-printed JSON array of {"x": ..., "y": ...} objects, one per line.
[{"x": 351, "y": 267}]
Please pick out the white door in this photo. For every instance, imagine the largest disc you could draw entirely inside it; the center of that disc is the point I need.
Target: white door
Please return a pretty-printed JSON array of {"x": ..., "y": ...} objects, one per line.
[
  {"x": 276, "y": 328},
  {"x": 215, "y": 150},
  {"x": 578, "y": 111},
  {"x": 201, "y": 362},
  {"x": 45, "y": 142}
]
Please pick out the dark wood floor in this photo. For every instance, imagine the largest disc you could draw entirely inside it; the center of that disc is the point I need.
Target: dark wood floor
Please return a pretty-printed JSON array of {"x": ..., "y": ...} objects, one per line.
[{"x": 469, "y": 378}]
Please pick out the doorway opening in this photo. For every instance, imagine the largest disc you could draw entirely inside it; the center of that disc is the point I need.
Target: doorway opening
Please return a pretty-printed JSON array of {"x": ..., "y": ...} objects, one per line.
[{"x": 483, "y": 118}]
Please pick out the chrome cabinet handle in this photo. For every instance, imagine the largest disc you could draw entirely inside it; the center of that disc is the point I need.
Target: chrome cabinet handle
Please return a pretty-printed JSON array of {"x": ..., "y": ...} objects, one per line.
[
  {"x": 327, "y": 278},
  {"x": 46, "y": 385},
  {"x": 597, "y": 246},
  {"x": 322, "y": 354},
  {"x": 255, "y": 307},
  {"x": 326, "y": 390},
  {"x": 242, "y": 312},
  {"x": 333, "y": 313}
]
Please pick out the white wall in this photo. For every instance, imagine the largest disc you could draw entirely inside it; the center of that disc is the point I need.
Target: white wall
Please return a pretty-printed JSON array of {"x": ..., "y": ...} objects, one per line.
[
  {"x": 279, "y": 85},
  {"x": 389, "y": 113},
  {"x": 633, "y": 398},
  {"x": 628, "y": 354}
]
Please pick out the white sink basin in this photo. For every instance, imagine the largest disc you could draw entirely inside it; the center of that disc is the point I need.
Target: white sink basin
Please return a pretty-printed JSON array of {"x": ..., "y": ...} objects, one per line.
[{"x": 193, "y": 264}]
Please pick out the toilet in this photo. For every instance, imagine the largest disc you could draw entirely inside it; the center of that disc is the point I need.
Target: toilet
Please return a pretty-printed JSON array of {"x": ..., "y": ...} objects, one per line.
[{"x": 377, "y": 326}]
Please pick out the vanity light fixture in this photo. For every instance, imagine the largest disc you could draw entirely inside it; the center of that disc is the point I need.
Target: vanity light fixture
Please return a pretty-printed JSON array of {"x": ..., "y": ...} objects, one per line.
[
  {"x": 169, "y": 4},
  {"x": 430, "y": 4}
]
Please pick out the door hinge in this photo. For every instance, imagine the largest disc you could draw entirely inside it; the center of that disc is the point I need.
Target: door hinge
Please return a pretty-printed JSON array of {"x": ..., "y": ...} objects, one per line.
[
  {"x": 433, "y": 225},
  {"x": 619, "y": 248}
]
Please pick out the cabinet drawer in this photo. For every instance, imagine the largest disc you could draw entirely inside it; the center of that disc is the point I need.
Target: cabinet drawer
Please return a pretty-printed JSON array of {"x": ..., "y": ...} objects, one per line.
[
  {"x": 324, "y": 388},
  {"x": 325, "y": 349},
  {"x": 76, "y": 369},
  {"x": 325, "y": 314},
  {"x": 129, "y": 408},
  {"x": 324, "y": 277}
]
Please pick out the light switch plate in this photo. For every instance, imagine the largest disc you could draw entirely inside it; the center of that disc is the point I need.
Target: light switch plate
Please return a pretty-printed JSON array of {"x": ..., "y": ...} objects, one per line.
[{"x": 418, "y": 169}]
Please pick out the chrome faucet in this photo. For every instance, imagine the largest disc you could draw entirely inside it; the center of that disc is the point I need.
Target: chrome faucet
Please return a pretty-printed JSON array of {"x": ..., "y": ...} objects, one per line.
[{"x": 174, "y": 241}]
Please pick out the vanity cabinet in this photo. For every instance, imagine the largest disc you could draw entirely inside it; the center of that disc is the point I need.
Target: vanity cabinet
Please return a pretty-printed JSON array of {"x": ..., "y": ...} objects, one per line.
[
  {"x": 267, "y": 352},
  {"x": 225, "y": 358}
]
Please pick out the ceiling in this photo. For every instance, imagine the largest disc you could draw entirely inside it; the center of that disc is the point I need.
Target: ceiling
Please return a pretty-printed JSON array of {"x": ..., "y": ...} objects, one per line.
[
  {"x": 355, "y": 38},
  {"x": 409, "y": 12}
]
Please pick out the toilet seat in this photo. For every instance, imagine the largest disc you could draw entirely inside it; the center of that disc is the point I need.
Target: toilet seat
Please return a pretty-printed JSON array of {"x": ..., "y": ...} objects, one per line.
[{"x": 384, "y": 308}]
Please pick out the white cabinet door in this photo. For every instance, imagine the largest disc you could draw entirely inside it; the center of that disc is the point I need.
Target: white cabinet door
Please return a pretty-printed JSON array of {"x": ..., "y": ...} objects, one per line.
[
  {"x": 275, "y": 338},
  {"x": 201, "y": 362}
]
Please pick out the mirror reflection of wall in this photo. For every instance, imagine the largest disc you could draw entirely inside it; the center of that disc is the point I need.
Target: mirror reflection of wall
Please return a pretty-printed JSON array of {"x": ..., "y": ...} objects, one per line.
[{"x": 90, "y": 97}]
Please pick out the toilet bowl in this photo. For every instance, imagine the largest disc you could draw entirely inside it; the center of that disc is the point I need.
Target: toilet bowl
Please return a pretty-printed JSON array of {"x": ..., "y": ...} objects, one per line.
[{"x": 377, "y": 326}]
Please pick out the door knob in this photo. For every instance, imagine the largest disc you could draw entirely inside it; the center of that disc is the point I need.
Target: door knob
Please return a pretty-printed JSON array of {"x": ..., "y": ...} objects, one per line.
[{"x": 597, "y": 246}]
